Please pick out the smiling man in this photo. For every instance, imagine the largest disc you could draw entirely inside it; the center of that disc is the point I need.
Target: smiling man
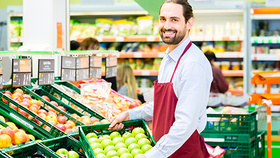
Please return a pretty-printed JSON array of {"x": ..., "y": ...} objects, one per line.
[{"x": 181, "y": 91}]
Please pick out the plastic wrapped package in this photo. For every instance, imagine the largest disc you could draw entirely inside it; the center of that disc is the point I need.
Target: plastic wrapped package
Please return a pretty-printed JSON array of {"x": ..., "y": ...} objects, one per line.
[
  {"x": 96, "y": 90},
  {"x": 103, "y": 26},
  {"x": 145, "y": 25}
]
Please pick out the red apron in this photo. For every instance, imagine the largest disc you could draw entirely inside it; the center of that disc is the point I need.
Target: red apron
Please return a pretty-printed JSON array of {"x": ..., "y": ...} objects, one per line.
[{"x": 163, "y": 118}]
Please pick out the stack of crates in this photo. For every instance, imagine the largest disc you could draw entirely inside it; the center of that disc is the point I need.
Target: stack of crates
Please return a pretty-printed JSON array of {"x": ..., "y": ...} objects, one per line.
[{"x": 236, "y": 133}]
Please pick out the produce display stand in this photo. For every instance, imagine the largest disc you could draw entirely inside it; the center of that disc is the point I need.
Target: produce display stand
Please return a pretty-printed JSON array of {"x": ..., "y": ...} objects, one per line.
[
  {"x": 53, "y": 132},
  {"x": 102, "y": 129},
  {"x": 31, "y": 149},
  {"x": 66, "y": 142},
  {"x": 268, "y": 78}
]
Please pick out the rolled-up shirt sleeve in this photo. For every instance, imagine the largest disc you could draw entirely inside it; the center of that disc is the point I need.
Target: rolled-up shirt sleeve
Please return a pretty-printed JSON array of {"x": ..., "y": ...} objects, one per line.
[{"x": 142, "y": 112}]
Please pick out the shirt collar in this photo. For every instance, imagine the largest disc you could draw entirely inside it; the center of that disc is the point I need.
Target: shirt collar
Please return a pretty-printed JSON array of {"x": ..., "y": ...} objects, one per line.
[{"x": 176, "y": 53}]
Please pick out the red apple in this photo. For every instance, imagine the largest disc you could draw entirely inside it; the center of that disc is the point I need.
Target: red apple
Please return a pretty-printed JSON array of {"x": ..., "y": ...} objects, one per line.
[
  {"x": 61, "y": 127},
  {"x": 34, "y": 108},
  {"x": 26, "y": 104},
  {"x": 23, "y": 113},
  {"x": 17, "y": 99},
  {"x": 72, "y": 123},
  {"x": 18, "y": 90},
  {"x": 54, "y": 103},
  {"x": 9, "y": 132},
  {"x": 27, "y": 96},
  {"x": 46, "y": 98},
  {"x": 68, "y": 126},
  {"x": 62, "y": 108},
  {"x": 42, "y": 115},
  {"x": 43, "y": 111},
  {"x": 61, "y": 119},
  {"x": 8, "y": 92},
  {"x": 5, "y": 141}
]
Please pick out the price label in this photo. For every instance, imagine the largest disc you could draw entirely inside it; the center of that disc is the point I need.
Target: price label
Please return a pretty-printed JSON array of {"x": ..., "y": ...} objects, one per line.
[
  {"x": 111, "y": 61},
  {"x": 82, "y": 62},
  {"x": 45, "y": 71},
  {"x": 22, "y": 121},
  {"x": 95, "y": 61},
  {"x": 95, "y": 72},
  {"x": 68, "y": 62},
  {"x": 82, "y": 74},
  {"x": 111, "y": 71},
  {"x": 21, "y": 72},
  {"x": 68, "y": 74},
  {"x": 1, "y": 74}
]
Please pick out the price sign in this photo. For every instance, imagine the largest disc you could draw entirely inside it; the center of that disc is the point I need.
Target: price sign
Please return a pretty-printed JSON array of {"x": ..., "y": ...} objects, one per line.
[
  {"x": 1, "y": 75},
  {"x": 46, "y": 71},
  {"x": 21, "y": 72},
  {"x": 111, "y": 66},
  {"x": 95, "y": 67},
  {"x": 74, "y": 68}
]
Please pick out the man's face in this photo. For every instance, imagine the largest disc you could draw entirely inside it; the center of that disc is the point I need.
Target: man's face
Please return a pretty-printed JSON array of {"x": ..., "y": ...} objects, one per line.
[{"x": 172, "y": 25}]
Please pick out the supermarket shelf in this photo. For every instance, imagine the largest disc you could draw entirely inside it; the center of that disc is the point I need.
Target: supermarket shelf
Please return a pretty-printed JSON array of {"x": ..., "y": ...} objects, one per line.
[
  {"x": 143, "y": 38},
  {"x": 256, "y": 11},
  {"x": 155, "y": 72},
  {"x": 230, "y": 55},
  {"x": 141, "y": 55},
  {"x": 16, "y": 39},
  {"x": 233, "y": 73},
  {"x": 268, "y": 40},
  {"x": 266, "y": 57}
]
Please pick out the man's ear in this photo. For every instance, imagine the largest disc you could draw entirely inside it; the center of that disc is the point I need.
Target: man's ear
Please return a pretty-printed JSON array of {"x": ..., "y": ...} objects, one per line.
[{"x": 190, "y": 23}]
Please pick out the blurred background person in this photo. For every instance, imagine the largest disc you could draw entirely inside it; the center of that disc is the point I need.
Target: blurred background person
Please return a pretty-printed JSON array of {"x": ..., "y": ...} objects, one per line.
[
  {"x": 126, "y": 81},
  {"x": 74, "y": 45},
  {"x": 219, "y": 83},
  {"x": 90, "y": 44}
]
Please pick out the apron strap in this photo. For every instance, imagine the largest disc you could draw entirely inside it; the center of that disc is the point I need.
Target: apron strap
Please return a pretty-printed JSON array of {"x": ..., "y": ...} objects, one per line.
[{"x": 186, "y": 49}]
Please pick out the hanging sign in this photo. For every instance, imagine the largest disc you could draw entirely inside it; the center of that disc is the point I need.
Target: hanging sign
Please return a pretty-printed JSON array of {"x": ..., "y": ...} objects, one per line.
[
  {"x": 21, "y": 72},
  {"x": 45, "y": 71},
  {"x": 95, "y": 66},
  {"x": 111, "y": 67}
]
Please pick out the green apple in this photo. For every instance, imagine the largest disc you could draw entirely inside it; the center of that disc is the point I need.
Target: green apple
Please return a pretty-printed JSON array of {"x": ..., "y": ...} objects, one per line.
[
  {"x": 115, "y": 157},
  {"x": 63, "y": 151},
  {"x": 146, "y": 148},
  {"x": 73, "y": 154},
  {"x": 133, "y": 146},
  {"x": 91, "y": 135},
  {"x": 98, "y": 151},
  {"x": 120, "y": 145},
  {"x": 109, "y": 148},
  {"x": 2, "y": 118},
  {"x": 123, "y": 150},
  {"x": 139, "y": 136},
  {"x": 103, "y": 137},
  {"x": 101, "y": 155},
  {"x": 137, "y": 130},
  {"x": 115, "y": 134},
  {"x": 31, "y": 136},
  {"x": 106, "y": 142},
  {"x": 143, "y": 141},
  {"x": 127, "y": 135},
  {"x": 126, "y": 155},
  {"x": 135, "y": 152},
  {"x": 112, "y": 153},
  {"x": 96, "y": 145},
  {"x": 93, "y": 139},
  {"x": 62, "y": 155},
  {"x": 129, "y": 141},
  {"x": 118, "y": 140}
]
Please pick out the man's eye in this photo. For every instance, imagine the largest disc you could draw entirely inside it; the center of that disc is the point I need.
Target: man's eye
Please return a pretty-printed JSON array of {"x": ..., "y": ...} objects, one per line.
[{"x": 174, "y": 20}]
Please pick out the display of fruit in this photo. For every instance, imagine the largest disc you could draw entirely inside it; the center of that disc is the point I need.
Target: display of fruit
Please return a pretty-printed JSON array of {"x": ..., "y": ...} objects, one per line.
[
  {"x": 115, "y": 144},
  {"x": 67, "y": 154}
]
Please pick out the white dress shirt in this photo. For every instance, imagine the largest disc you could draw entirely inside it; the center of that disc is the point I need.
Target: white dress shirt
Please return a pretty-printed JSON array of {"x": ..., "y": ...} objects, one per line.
[{"x": 191, "y": 84}]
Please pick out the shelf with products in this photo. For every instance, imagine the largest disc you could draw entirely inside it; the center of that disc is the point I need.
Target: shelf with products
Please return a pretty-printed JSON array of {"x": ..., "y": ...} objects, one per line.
[{"x": 265, "y": 41}]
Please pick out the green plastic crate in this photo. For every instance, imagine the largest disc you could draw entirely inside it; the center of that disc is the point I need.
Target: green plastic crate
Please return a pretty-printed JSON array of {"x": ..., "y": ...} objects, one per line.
[
  {"x": 66, "y": 142},
  {"x": 36, "y": 96},
  {"x": 54, "y": 131},
  {"x": 30, "y": 149},
  {"x": 228, "y": 137},
  {"x": 102, "y": 129},
  {"x": 18, "y": 122},
  {"x": 4, "y": 155},
  {"x": 232, "y": 123},
  {"x": 69, "y": 85},
  {"x": 253, "y": 149},
  {"x": 52, "y": 90}
]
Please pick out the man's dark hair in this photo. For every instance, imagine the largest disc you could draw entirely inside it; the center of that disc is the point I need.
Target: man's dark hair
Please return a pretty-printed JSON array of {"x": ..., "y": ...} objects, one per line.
[
  {"x": 74, "y": 45},
  {"x": 210, "y": 55},
  {"x": 187, "y": 8}
]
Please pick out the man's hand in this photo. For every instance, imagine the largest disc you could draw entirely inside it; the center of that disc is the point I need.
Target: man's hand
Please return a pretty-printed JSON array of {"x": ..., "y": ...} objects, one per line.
[{"x": 116, "y": 121}]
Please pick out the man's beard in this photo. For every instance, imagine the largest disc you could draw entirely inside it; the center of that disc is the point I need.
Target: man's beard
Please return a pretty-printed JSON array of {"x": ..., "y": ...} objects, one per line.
[{"x": 178, "y": 37}]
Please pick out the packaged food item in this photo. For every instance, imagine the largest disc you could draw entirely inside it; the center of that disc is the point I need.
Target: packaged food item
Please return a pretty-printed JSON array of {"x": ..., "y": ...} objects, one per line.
[
  {"x": 103, "y": 26},
  {"x": 145, "y": 25},
  {"x": 225, "y": 65},
  {"x": 235, "y": 65},
  {"x": 96, "y": 90}
]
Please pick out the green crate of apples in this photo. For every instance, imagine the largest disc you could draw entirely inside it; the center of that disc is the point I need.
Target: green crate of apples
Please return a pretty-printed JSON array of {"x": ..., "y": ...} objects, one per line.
[
  {"x": 133, "y": 140},
  {"x": 65, "y": 146}
]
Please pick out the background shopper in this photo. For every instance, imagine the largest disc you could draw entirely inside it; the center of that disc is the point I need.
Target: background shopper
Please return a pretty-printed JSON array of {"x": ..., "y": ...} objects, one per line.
[
  {"x": 219, "y": 83},
  {"x": 181, "y": 92},
  {"x": 90, "y": 44}
]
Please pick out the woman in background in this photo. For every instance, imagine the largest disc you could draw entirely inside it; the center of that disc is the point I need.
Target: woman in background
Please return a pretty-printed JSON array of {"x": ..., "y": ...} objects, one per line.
[
  {"x": 90, "y": 44},
  {"x": 126, "y": 81}
]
